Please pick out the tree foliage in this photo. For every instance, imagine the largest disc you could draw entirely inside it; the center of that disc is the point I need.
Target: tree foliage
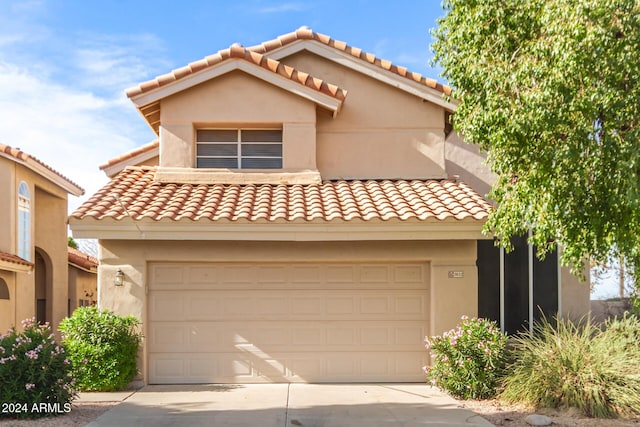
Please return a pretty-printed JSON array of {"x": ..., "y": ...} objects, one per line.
[{"x": 550, "y": 90}]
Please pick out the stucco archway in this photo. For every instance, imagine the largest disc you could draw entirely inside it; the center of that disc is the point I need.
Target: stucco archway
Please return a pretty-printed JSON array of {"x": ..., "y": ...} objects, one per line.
[{"x": 44, "y": 286}]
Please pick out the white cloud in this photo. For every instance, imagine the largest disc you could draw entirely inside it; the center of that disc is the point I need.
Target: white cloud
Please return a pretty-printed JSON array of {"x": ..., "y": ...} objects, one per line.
[
  {"x": 118, "y": 62},
  {"x": 62, "y": 100},
  {"x": 70, "y": 130}
]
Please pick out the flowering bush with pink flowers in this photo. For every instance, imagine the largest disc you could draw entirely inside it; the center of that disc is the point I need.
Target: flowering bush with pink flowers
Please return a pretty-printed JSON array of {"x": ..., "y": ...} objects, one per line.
[
  {"x": 35, "y": 374},
  {"x": 468, "y": 361}
]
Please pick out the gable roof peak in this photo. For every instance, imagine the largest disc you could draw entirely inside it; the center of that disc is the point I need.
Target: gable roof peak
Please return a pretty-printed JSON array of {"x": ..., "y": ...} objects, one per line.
[
  {"x": 147, "y": 94},
  {"x": 306, "y": 33}
]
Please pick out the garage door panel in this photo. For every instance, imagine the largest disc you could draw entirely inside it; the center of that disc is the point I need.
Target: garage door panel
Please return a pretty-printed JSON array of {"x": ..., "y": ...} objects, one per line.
[
  {"x": 167, "y": 306},
  {"x": 279, "y": 336},
  {"x": 286, "y": 367},
  {"x": 280, "y": 322},
  {"x": 280, "y": 304},
  {"x": 288, "y": 276}
]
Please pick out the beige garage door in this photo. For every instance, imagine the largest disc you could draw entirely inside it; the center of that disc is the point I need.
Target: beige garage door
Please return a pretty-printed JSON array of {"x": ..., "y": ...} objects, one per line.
[{"x": 248, "y": 323}]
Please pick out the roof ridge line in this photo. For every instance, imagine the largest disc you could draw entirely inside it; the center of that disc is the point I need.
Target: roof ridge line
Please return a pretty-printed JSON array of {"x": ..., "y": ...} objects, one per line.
[
  {"x": 306, "y": 33},
  {"x": 237, "y": 51}
]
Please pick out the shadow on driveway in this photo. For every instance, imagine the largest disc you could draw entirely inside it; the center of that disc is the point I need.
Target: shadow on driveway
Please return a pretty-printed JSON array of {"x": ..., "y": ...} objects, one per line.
[{"x": 286, "y": 405}]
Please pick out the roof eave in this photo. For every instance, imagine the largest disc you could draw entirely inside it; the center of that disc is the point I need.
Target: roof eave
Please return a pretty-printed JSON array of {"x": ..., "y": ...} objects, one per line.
[
  {"x": 113, "y": 169},
  {"x": 91, "y": 269},
  {"x": 29, "y": 162},
  {"x": 15, "y": 267},
  {"x": 469, "y": 228}
]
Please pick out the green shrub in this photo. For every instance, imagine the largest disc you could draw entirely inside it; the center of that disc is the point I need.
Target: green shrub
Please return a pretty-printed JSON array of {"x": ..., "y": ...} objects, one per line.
[
  {"x": 468, "y": 361},
  {"x": 102, "y": 347},
  {"x": 578, "y": 365},
  {"x": 35, "y": 374}
]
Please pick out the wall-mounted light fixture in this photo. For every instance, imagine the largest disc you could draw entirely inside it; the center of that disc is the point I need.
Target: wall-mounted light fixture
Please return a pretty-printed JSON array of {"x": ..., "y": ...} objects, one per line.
[{"x": 118, "y": 280}]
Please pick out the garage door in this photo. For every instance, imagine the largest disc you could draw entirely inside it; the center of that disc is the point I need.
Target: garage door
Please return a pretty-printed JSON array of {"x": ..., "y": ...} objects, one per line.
[{"x": 251, "y": 323}]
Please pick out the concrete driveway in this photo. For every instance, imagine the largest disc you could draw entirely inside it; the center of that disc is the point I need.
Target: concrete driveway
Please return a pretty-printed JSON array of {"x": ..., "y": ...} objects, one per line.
[{"x": 288, "y": 405}]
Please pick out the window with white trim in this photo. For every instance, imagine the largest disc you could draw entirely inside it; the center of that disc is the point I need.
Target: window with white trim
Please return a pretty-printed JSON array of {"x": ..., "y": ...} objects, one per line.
[
  {"x": 24, "y": 221},
  {"x": 239, "y": 148}
]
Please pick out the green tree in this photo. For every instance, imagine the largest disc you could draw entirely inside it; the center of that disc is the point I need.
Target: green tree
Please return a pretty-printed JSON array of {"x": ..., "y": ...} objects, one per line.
[
  {"x": 550, "y": 90},
  {"x": 72, "y": 243}
]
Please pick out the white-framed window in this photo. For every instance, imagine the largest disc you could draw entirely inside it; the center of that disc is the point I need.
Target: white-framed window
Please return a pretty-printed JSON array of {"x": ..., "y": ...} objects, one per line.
[
  {"x": 239, "y": 148},
  {"x": 24, "y": 221}
]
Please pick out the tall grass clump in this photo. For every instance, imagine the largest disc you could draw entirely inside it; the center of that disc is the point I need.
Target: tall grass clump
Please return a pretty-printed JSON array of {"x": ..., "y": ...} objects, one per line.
[{"x": 577, "y": 365}]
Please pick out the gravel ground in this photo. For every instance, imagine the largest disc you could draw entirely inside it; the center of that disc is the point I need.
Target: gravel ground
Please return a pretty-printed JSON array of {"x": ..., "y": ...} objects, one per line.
[{"x": 513, "y": 416}]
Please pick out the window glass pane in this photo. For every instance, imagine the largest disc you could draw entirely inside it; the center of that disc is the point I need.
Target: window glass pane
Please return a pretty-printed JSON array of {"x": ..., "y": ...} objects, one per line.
[
  {"x": 217, "y": 150},
  {"x": 216, "y": 135},
  {"x": 261, "y": 135},
  {"x": 262, "y": 150},
  {"x": 23, "y": 189},
  {"x": 221, "y": 162},
  {"x": 275, "y": 163}
]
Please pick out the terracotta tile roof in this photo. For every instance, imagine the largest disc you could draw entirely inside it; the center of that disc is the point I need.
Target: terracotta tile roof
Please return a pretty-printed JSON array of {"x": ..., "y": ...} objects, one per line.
[
  {"x": 21, "y": 156},
  {"x": 14, "y": 259},
  {"x": 143, "y": 197},
  {"x": 239, "y": 52},
  {"x": 130, "y": 154},
  {"x": 81, "y": 259},
  {"x": 305, "y": 33}
]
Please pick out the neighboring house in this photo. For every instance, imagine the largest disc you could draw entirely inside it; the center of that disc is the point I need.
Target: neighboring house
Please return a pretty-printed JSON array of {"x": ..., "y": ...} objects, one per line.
[
  {"x": 298, "y": 219},
  {"x": 33, "y": 239},
  {"x": 83, "y": 280}
]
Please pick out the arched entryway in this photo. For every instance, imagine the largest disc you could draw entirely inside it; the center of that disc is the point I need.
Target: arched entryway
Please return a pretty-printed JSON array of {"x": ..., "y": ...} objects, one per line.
[{"x": 44, "y": 286}]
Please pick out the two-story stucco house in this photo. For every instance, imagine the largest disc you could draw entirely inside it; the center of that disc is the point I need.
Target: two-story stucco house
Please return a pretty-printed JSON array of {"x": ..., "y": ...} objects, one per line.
[
  {"x": 306, "y": 215},
  {"x": 33, "y": 240}
]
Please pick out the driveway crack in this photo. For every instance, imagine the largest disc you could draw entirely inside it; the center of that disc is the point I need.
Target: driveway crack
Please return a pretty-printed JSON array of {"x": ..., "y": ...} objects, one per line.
[{"x": 286, "y": 409}]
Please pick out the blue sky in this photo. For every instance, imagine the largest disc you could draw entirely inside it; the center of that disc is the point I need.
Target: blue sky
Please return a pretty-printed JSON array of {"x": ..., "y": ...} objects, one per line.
[{"x": 64, "y": 65}]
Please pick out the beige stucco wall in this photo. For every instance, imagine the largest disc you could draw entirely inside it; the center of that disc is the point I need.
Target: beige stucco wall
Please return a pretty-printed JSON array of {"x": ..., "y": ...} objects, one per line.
[
  {"x": 51, "y": 238},
  {"x": 449, "y": 298},
  {"x": 237, "y": 100},
  {"x": 381, "y": 132},
  {"x": 82, "y": 285},
  {"x": 575, "y": 295},
  {"x": 8, "y": 200},
  {"x": 48, "y": 233},
  {"x": 8, "y": 307},
  {"x": 466, "y": 161}
]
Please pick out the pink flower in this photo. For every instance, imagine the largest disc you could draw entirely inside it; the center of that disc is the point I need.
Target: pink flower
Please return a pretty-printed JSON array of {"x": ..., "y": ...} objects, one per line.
[{"x": 29, "y": 386}]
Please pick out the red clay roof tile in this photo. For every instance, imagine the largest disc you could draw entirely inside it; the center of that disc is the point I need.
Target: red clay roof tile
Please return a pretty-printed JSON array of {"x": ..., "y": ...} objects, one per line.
[
  {"x": 237, "y": 52},
  {"x": 20, "y": 155},
  {"x": 305, "y": 33},
  {"x": 14, "y": 259},
  {"x": 134, "y": 192},
  {"x": 130, "y": 154},
  {"x": 81, "y": 259},
  {"x": 253, "y": 54}
]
